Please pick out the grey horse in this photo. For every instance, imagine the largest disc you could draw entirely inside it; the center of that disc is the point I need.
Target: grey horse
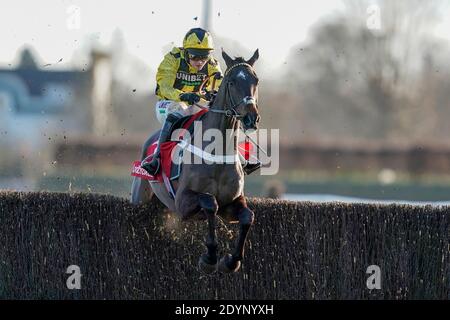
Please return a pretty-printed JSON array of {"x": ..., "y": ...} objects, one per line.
[{"x": 208, "y": 190}]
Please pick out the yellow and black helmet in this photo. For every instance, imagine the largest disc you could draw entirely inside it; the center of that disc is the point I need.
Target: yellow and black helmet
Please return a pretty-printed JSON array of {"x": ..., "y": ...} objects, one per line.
[{"x": 198, "y": 42}]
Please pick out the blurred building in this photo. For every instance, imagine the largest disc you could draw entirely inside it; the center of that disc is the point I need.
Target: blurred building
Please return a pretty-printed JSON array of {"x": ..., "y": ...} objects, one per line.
[{"x": 38, "y": 104}]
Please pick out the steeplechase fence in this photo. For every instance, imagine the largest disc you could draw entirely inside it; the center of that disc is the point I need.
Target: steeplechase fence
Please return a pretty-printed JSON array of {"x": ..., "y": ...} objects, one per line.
[{"x": 296, "y": 250}]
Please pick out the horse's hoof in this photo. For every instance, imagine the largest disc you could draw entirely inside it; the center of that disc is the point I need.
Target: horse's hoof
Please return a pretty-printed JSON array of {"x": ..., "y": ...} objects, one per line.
[
  {"x": 226, "y": 266},
  {"x": 205, "y": 266}
]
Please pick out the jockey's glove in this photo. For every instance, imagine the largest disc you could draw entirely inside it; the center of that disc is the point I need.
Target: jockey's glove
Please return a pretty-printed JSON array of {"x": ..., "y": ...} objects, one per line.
[
  {"x": 210, "y": 95},
  {"x": 190, "y": 97}
]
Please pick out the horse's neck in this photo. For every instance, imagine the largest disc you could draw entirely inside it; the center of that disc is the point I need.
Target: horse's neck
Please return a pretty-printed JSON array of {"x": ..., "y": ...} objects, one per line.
[{"x": 227, "y": 126}]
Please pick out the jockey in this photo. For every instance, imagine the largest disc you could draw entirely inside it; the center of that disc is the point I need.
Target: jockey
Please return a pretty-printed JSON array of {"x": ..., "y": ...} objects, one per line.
[{"x": 179, "y": 76}]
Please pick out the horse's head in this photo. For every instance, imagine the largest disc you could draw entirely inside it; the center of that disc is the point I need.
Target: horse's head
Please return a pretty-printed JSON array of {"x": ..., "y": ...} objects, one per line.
[{"x": 242, "y": 89}]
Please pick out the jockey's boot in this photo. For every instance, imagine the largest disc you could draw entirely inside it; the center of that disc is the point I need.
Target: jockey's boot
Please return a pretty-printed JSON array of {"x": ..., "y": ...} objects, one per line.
[
  {"x": 154, "y": 165},
  {"x": 247, "y": 166}
]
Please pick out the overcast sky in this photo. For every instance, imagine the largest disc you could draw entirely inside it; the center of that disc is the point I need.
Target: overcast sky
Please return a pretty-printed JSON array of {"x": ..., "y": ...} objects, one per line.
[{"x": 148, "y": 26}]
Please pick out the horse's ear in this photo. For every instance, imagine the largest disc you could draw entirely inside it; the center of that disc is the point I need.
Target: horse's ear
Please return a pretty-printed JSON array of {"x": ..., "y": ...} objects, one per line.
[
  {"x": 253, "y": 59},
  {"x": 228, "y": 60}
]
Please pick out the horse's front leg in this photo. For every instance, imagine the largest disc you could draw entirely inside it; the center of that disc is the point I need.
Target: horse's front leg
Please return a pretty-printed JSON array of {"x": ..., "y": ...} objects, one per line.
[
  {"x": 188, "y": 204},
  {"x": 237, "y": 211},
  {"x": 210, "y": 207}
]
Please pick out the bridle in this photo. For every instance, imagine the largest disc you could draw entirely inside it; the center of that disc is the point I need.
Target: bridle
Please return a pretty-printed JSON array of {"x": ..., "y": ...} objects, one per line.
[{"x": 231, "y": 112}]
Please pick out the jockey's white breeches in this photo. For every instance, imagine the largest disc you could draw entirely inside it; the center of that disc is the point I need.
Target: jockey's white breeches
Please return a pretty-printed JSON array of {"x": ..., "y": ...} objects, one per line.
[{"x": 164, "y": 107}]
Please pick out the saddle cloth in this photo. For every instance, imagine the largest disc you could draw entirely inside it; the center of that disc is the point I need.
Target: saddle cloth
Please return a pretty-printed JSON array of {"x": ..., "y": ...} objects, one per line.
[{"x": 170, "y": 170}]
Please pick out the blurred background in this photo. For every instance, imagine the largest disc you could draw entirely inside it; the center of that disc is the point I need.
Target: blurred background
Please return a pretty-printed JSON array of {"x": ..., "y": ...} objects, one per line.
[{"x": 360, "y": 91}]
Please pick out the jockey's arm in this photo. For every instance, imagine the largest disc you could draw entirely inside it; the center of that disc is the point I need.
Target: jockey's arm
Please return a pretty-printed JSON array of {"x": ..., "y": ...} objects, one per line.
[
  {"x": 165, "y": 78},
  {"x": 214, "y": 68}
]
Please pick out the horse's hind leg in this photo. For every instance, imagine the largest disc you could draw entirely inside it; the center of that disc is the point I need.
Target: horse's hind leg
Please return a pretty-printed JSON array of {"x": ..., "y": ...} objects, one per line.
[
  {"x": 237, "y": 210},
  {"x": 141, "y": 192}
]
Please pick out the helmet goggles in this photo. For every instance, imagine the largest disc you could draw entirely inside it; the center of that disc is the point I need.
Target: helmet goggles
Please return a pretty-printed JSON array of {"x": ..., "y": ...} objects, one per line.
[{"x": 197, "y": 57}]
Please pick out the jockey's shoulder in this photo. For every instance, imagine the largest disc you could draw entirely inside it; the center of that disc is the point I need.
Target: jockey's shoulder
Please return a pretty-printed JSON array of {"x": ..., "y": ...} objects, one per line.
[
  {"x": 213, "y": 62},
  {"x": 176, "y": 52}
]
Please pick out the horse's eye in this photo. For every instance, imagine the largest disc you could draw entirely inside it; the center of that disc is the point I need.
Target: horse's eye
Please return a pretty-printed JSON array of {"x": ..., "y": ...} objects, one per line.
[{"x": 231, "y": 83}]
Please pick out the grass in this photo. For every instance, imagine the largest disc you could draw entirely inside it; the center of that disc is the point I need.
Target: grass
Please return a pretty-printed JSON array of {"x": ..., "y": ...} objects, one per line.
[{"x": 118, "y": 182}]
